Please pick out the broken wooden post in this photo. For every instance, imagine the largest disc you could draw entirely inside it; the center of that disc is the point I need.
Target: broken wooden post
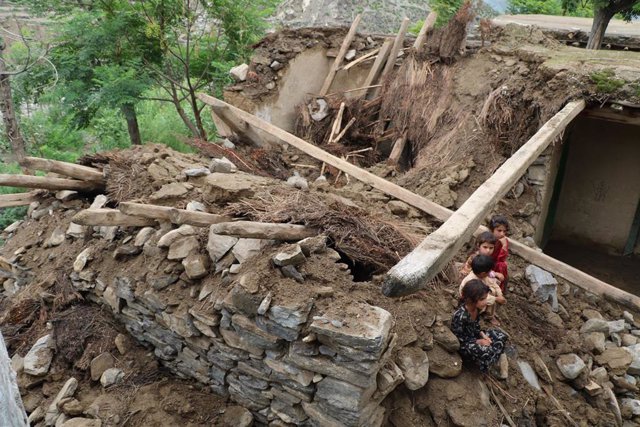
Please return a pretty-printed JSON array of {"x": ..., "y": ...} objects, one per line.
[
  {"x": 12, "y": 413},
  {"x": 397, "y": 45},
  {"x": 377, "y": 64},
  {"x": 414, "y": 271},
  {"x": 361, "y": 59},
  {"x": 17, "y": 199},
  {"x": 397, "y": 150},
  {"x": 319, "y": 154},
  {"x": 263, "y": 230},
  {"x": 110, "y": 218},
  {"x": 343, "y": 51},
  {"x": 84, "y": 173},
  {"x": 426, "y": 27},
  {"x": 167, "y": 213},
  {"x": 48, "y": 183}
]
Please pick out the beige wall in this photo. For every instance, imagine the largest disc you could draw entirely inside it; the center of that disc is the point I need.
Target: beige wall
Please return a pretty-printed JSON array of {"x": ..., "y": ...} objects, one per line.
[
  {"x": 303, "y": 77},
  {"x": 601, "y": 186}
]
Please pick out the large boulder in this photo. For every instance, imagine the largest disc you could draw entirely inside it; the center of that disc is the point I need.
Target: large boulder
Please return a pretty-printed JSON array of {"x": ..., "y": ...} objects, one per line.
[
  {"x": 414, "y": 364},
  {"x": 38, "y": 359},
  {"x": 444, "y": 364}
]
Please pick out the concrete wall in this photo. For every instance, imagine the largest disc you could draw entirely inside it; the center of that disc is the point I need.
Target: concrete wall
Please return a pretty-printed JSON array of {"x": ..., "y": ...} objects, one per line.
[
  {"x": 601, "y": 186},
  {"x": 305, "y": 76}
]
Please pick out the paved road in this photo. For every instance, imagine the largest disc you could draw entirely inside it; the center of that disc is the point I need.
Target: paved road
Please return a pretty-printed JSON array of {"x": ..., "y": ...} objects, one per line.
[{"x": 616, "y": 27}]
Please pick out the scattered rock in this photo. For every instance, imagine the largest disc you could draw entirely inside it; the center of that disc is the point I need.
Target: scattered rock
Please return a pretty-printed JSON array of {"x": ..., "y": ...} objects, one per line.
[
  {"x": 313, "y": 245},
  {"x": 291, "y": 272},
  {"x": 82, "y": 259},
  {"x": 195, "y": 206},
  {"x": 296, "y": 181},
  {"x": 173, "y": 190},
  {"x": 319, "y": 109},
  {"x": 196, "y": 172},
  {"x": 101, "y": 363},
  {"x": 292, "y": 255},
  {"x": 398, "y": 207},
  {"x": 143, "y": 236},
  {"x": 570, "y": 365},
  {"x": 56, "y": 239},
  {"x": 183, "y": 247},
  {"x": 222, "y": 165},
  {"x": 126, "y": 251},
  {"x": 111, "y": 376},
  {"x": 414, "y": 364},
  {"x": 167, "y": 239},
  {"x": 239, "y": 73},
  {"x": 66, "y": 195},
  {"x": 543, "y": 285},
  {"x": 443, "y": 336},
  {"x": 629, "y": 408},
  {"x": 83, "y": 422},
  {"x": 350, "y": 55},
  {"x": 529, "y": 374},
  {"x": 616, "y": 326},
  {"x": 237, "y": 416},
  {"x": 245, "y": 249},
  {"x": 589, "y": 313},
  {"x": 67, "y": 390},
  {"x": 617, "y": 360},
  {"x": 595, "y": 325},
  {"x": 594, "y": 342},
  {"x": 122, "y": 344},
  {"x": 444, "y": 364},
  {"x": 38, "y": 359},
  {"x": 218, "y": 245},
  {"x": 196, "y": 266},
  {"x": 71, "y": 407},
  {"x": 275, "y": 66}
]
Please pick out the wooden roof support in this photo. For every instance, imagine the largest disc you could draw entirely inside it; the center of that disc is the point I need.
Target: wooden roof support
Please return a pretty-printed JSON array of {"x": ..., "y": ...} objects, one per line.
[
  {"x": 376, "y": 68},
  {"x": 84, "y": 173},
  {"x": 573, "y": 275},
  {"x": 167, "y": 213},
  {"x": 428, "y": 25},
  {"x": 47, "y": 183},
  {"x": 263, "y": 230},
  {"x": 110, "y": 218},
  {"x": 414, "y": 271},
  {"x": 17, "y": 199},
  {"x": 397, "y": 45},
  {"x": 343, "y": 51}
]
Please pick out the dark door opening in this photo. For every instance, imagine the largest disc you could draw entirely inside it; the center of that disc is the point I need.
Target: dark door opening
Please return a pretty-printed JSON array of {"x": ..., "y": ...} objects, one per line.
[{"x": 595, "y": 209}]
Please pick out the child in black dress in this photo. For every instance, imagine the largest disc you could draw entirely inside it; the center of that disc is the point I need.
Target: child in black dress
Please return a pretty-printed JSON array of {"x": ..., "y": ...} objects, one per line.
[{"x": 485, "y": 349}]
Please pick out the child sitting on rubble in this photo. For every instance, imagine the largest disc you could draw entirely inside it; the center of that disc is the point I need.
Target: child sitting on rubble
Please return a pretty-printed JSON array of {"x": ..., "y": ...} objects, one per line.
[
  {"x": 485, "y": 243},
  {"x": 499, "y": 226},
  {"x": 481, "y": 267},
  {"x": 483, "y": 348}
]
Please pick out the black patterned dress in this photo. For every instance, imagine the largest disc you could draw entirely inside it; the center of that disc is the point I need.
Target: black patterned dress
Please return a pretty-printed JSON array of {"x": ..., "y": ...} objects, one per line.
[{"x": 468, "y": 331}]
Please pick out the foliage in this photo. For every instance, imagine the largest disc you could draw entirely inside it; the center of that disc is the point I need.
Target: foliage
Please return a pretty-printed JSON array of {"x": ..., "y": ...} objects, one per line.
[
  {"x": 606, "y": 81},
  {"x": 543, "y": 7}
]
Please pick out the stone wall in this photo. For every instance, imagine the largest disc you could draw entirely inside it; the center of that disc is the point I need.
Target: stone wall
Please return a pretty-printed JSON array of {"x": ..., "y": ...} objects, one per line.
[{"x": 265, "y": 352}]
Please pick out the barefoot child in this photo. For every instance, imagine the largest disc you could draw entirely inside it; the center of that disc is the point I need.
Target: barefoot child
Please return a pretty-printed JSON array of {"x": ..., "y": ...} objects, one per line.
[
  {"x": 481, "y": 267},
  {"x": 485, "y": 244},
  {"x": 499, "y": 226},
  {"x": 485, "y": 349}
]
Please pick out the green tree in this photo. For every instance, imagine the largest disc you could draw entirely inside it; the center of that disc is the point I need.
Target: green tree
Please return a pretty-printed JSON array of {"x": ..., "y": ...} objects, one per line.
[{"x": 542, "y": 7}]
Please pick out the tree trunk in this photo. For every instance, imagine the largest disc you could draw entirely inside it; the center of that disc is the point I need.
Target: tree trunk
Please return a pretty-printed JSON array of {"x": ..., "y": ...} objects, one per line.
[
  {"x": 196, "y": 114},
  {"x": 129, "y": 111},
  {"x": 601, "y": 20},
  {"x": 11, "y": 127},
  {"x": 183, "y": 115}
]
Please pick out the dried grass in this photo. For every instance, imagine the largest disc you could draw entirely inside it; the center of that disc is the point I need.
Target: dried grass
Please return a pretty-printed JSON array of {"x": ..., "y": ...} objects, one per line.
[{"x": 363, "y": 238}]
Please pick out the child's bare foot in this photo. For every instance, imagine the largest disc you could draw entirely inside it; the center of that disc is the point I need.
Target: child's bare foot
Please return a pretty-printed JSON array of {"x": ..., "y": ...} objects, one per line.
[{"x": 494, "y": 321}]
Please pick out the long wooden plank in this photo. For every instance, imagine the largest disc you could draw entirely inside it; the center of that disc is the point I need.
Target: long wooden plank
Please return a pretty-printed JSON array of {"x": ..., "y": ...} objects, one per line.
[
  {"x": 573, "y": 275},
  {"x": 426, "y": 26},
  {"x": 72, "y": 170},
  {"x": 110, "y": 218},
  {"x": 261, "y": 230},
  {"x": 348, "y": 168},
  {"x": 338, "y": 61},
  {"x": 397, "y": 45},
  {"x": 47, "y": 183},
  {"x": 414, "y": 271},
  {"x": 167, "y": 213},
  {"x": 376, "y": 68},
  {"x": 17, "y": 199}
]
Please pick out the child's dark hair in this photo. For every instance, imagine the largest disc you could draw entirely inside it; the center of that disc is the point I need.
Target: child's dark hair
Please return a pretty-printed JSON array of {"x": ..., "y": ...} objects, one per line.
[
  {"x": 474, "y": 291},
  {"x": 486, "y": 237},
  {"x": 497, "y": 220},
  {"x": 482, "y": 264}
]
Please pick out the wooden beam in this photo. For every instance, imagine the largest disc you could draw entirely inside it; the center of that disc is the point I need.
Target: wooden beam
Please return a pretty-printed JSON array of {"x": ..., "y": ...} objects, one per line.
[
  {"x": 319, "y": 154},
  {"x": 428, "y": 25},
  {"x": 414, "y": 271},
  {"x": 167, "y": 213},
  {"x": 262, "y": 230},
  {"x": 397, "y": 150},
  {"x": 84, "y": 173},
  {"x": 573, "y": 275},
  {"x": 378, "y": 63},
  {"x": 361, "y": 59},
  {"x": 47, "y": 183},
  {"x": 110, "y": 218},
  {"x": 17, "y": 199},
  {"x": 397, "y": 45},
  {"x": 223, "y": 129},
  {"x": 338, "y": 61}
]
